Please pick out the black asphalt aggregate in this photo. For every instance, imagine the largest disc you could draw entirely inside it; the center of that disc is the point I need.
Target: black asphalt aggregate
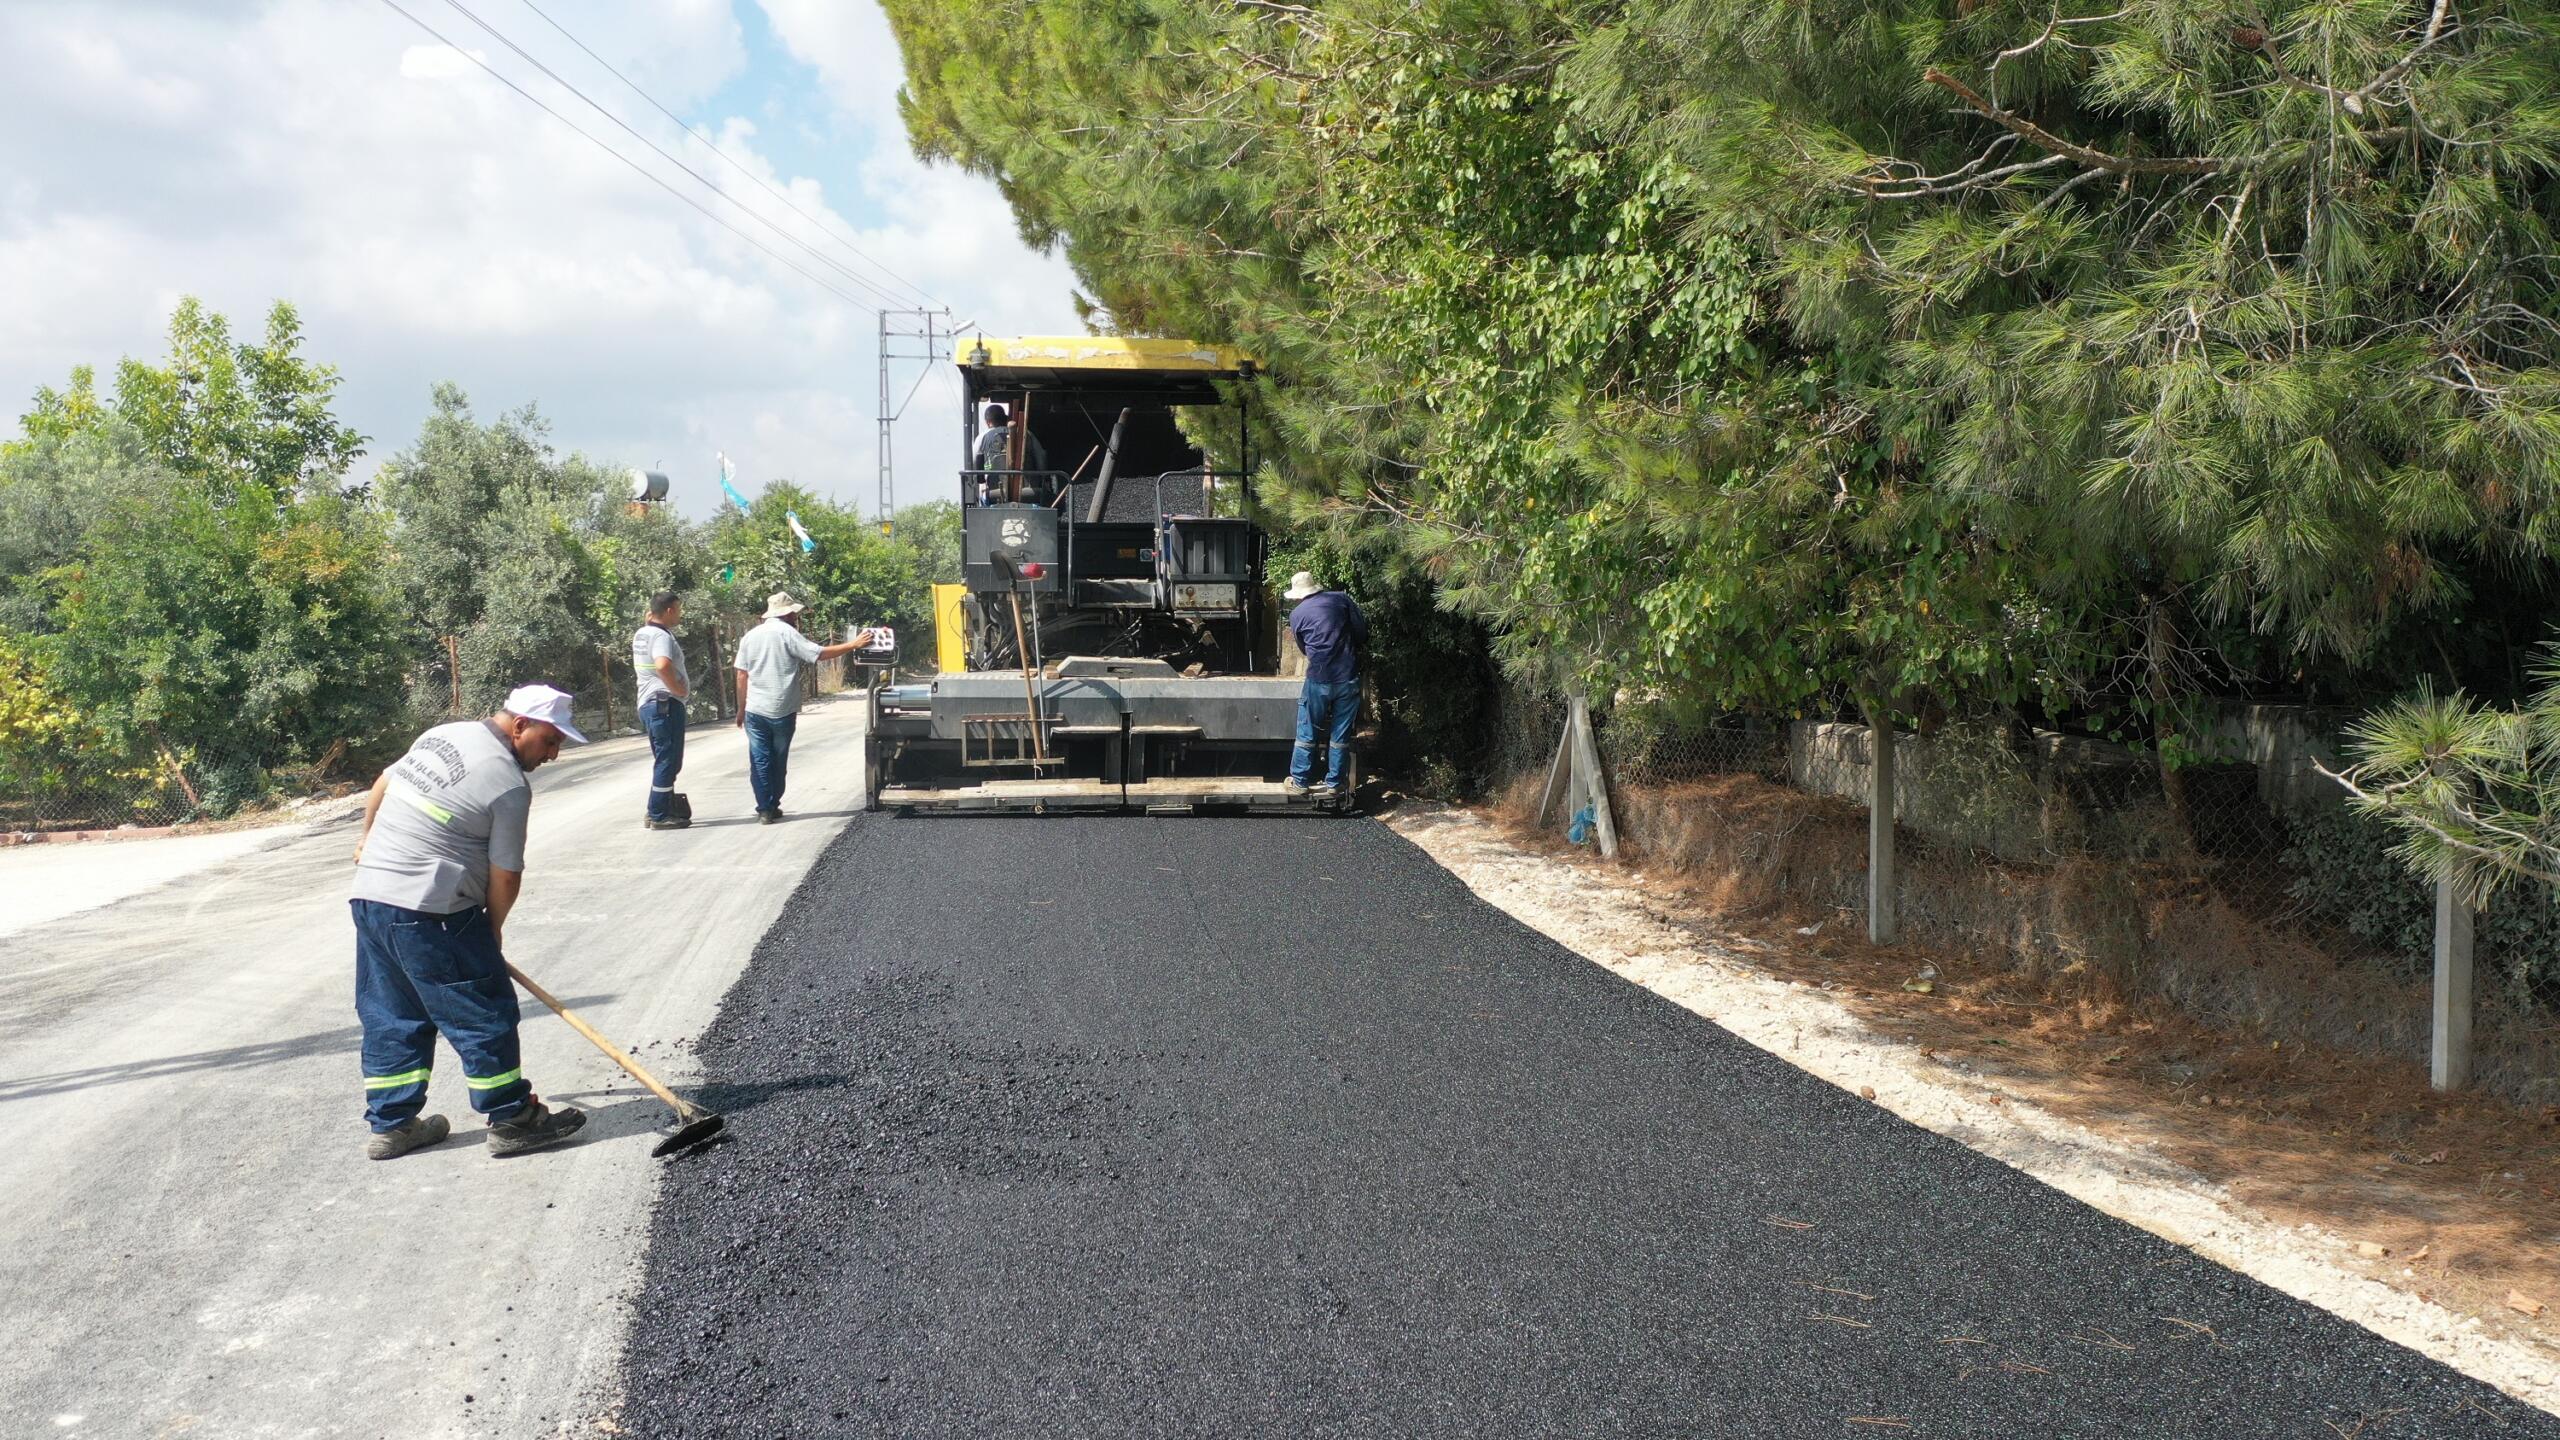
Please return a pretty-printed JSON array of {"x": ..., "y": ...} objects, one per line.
[{"x": 1155, "y": 1127}]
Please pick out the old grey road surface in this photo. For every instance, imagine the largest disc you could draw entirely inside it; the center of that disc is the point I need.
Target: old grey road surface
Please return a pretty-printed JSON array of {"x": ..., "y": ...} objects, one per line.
[
  {"x": 1269, "y": 1128},
  {"x": 191, "y": 1242}
]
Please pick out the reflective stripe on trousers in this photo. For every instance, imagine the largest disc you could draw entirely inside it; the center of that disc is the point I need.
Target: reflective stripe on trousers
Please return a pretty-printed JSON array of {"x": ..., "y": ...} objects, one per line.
[{"x": 419, "y": 976}]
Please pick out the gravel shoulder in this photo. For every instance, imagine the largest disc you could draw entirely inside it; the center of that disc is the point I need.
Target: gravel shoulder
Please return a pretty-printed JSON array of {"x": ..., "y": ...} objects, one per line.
[
  {"x": 1154, "y": 1127},
  {"x": 1615, "y": 919}
]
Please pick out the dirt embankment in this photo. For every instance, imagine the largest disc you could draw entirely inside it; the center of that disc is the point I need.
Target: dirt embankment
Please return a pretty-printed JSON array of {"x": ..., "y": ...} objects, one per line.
[{"x": 2223, "y": 947}]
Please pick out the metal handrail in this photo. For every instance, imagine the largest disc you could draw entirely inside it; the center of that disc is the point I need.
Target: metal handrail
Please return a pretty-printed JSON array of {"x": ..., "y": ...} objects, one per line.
[{"x": 969, "y": 480}]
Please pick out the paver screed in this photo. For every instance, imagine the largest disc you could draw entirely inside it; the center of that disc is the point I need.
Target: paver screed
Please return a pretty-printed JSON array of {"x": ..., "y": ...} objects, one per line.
[{"x": 1137, "y": 1127}]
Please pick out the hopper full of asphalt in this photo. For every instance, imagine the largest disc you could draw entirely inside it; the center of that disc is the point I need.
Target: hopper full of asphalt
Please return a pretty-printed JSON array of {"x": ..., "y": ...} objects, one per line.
[{"x": 1129, "y": 1127}]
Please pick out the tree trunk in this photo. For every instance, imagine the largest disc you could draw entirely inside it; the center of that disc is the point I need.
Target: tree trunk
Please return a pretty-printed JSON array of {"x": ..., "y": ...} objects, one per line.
[
  {"x": 607, "y": 655},
  {"x": 177, "y": 772},
  {"x": 453, "y": 672}
]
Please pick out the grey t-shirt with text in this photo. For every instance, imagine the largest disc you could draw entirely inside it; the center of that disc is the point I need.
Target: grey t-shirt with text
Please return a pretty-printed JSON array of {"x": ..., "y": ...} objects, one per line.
[
  {"x": 455, "y": 805},
  {"x": 649, "y": 645},
  {"x": 772, "y": 654}
]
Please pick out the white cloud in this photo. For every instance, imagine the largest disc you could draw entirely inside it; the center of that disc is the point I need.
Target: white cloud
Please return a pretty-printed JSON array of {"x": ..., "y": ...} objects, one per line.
[
  {"x": 853, "y": 51},
  {"x": 439, "y": 62},
  {"x": 431, "y": 224}
]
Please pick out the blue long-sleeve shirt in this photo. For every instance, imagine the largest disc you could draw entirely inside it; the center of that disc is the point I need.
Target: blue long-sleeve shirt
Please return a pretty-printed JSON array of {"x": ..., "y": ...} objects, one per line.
[{"x": 1329, "y": 626}]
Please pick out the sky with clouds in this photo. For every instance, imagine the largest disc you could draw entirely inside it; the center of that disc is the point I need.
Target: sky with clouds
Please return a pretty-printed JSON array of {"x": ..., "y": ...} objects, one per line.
[{"x": 431, "y": 224}]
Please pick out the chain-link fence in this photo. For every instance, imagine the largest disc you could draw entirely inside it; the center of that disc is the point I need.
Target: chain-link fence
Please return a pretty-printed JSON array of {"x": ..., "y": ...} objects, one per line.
[
  {"x": 2205, "y": 878},
  {"x": 102, "y": 789}
]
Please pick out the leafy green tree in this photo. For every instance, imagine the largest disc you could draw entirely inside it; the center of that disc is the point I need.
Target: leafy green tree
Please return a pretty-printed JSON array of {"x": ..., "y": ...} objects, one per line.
[
  {"x": 2082, "y": 363},
  {"x": 1503, "y": 345},
  {"x": 53, "y": 488},
  {"x": 930, "y": 532},
  {"x": 2246, "y": 302},
  {"x": 2473, "y": 790},
  {"x": 235, "y": 413},
  {"x": 638, "y": 552},
  {"x": 48, "y": 746},
  {"x": 521, "y": 564},
  {"x": 194, "y": 586},
  {"x": 855, "y": 576},
  {"x": 230, "y": 629},
  {"x": 441, "y": 493},
  {"x": 536, "y": 582}
]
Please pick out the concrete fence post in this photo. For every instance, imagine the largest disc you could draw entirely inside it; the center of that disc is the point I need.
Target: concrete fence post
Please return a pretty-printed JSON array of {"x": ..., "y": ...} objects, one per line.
[
  {"x": 1881, "y": 926},
  {"x": 2449, "y": 1065}
]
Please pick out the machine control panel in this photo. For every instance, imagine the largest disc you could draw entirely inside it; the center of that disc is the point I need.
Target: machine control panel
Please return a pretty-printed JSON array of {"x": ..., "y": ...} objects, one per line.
[{"x": 1190, "y": 596}]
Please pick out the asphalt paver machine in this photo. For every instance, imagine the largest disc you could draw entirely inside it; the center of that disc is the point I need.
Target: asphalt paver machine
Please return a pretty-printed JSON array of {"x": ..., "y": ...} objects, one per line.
[{"x": 1112, "y": 644}]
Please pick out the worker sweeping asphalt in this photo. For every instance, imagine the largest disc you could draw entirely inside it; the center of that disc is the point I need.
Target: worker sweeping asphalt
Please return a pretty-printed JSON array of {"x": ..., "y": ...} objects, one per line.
[{"x": 438, "y": 866}]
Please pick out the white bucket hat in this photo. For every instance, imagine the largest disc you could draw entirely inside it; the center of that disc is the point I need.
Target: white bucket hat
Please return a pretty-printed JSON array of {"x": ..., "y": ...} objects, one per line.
[
  {"x": 780, "y": 603},
  {"x": 1301, "y": 585},
  {"x": 543, "y": 703}
]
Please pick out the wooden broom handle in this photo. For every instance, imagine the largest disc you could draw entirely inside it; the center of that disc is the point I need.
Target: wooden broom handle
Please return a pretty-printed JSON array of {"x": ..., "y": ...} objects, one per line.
[{"x": 611, "y": 1050}]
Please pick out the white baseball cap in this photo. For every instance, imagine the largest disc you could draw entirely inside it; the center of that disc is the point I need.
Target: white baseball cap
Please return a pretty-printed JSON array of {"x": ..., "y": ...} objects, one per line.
[
  {"x": 780, "y": 603},
  {"x": 1301, "y": 585},
  {"x": 543, "y": 703}
]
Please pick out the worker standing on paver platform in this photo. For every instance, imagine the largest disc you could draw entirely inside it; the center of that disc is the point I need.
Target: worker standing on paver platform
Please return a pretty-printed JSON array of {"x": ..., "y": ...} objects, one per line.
[
  {"x": 437, "y": 870},
  {"x": 994, "y": 453},
  {"x": 769, "y": 659},
  {"x": 658, "y": 658},
  {"x": 1330, "y": 631}
]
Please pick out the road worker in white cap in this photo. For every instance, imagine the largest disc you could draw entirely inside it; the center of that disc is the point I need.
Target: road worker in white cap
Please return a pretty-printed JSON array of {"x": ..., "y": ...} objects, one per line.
[
  {"x": 1332, "y": 634},
  {"x": 438, "y": 866},
  {"x": 769, "y": 661}
]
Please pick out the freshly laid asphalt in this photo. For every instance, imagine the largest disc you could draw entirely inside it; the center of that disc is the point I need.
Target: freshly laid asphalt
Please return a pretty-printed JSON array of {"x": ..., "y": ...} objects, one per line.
[{"x": 1132, "y": 1127}]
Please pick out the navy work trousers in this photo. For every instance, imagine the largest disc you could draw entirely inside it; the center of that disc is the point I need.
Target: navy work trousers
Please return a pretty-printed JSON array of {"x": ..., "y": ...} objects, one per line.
[
  {"x": 1328, "y": 713},
  {"x": 417, "y": 975},
  {"x": 769, "y": 757},
  {"x": 663, "y": 718}
]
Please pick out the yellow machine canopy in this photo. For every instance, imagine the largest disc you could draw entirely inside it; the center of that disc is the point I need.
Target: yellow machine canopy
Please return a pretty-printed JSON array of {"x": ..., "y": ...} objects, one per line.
[
  {"x": 1103, "y": 362},
  {"x": 1073, "y": 393}
]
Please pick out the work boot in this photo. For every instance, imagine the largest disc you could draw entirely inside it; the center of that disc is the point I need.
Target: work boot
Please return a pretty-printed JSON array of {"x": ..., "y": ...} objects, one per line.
[
  {"x": 1293, "y": 788},
  {"x": 415, "y": 1133},
  {"x": 768, "y": 817},
  {"x": 670, "y": 823},
  {"x": 534, "y": 1127}
]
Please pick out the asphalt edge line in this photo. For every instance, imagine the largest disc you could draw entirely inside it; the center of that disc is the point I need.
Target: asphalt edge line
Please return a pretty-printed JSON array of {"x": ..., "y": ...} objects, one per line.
[
  {"x": 598, "y": 1402},
  {"x": 1823, "y": 1038}
]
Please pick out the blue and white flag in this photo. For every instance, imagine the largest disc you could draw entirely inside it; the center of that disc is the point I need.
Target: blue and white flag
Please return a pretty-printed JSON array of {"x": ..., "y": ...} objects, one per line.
[
  {"x": 807, "y": 545},
  {"x": 729, "y": 473}
]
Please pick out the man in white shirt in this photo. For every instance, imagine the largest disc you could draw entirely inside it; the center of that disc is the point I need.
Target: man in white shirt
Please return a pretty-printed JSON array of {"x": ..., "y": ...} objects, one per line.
[
  {"x": 769, "y": 660},
  {"x": 658, "y": 658},
  {"x": 437, "y": 869}
]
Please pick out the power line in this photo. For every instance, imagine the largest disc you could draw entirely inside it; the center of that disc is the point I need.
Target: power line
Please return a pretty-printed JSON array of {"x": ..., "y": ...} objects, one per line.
[
  {"x": 641, "y": 170},
  {"x": 705, "y": 181},
  {"x": 831, "y": 232}
]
